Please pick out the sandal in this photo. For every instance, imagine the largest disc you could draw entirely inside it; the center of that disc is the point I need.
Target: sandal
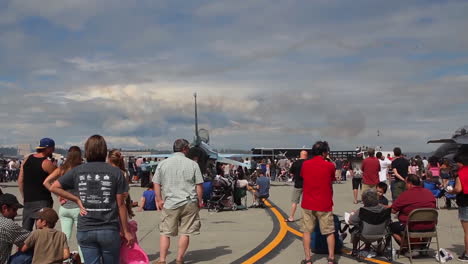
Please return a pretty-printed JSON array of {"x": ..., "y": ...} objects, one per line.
[
  {"x": 331, "y": 261},
  {"x": 306, "y": 261},
  {"x": 289, "y": 221},
  {"x": 159, "y": 262},
  {"x": 179, "y": 262}
]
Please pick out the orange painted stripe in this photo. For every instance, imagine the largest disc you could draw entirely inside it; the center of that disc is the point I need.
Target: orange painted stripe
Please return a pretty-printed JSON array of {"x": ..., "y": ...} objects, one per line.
[
  {"x": 275, "y": 242},
  {"x": 284, "y": 229}
]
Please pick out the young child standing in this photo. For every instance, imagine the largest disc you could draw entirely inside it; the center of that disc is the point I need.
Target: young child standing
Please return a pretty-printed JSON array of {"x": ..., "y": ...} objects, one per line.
[{"x": 49, "y": 245}]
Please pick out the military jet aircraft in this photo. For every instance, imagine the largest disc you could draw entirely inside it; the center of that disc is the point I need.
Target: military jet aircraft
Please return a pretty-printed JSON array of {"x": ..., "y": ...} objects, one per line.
[
  {"x": 201, "y": 141},
  {"x": 450, "y": 146}
]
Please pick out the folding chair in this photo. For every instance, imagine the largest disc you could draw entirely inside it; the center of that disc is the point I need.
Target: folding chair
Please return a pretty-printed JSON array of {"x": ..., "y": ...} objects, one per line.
[
  {"x": 374, "y": 228},
  {"x": 418, "y": 216}
]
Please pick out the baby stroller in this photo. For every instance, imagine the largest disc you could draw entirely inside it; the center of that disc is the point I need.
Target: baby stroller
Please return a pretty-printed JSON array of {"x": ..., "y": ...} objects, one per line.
[{"x": 222, "y": 196}]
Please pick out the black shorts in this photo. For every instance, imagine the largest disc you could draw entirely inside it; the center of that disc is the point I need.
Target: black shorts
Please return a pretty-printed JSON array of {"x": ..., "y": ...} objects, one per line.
[
  {"x": 397, "y": 227},
  {"x": 357, "y": 183}
]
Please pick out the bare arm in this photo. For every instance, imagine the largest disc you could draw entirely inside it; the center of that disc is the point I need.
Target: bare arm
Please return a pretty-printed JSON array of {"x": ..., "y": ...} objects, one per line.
[
  {"x": 395, "y": 172},
  {"x": 58, "y": 190},
  {"x": 124, "y": 218},
  {"x": 48, "y": 166},
  {"x": 159, "y": 200},
  {"x": 24, "y": 248},
  {"x": 142, "y": 204},
  {"x": 66, "y": 253},
  {"x": 200, "y": 195},
  {"x": 51, "y": 178},
  {"x": 21, "y": 181},
  {"x": 458, "y": 187},
  {"x": 21, "y": 177}
]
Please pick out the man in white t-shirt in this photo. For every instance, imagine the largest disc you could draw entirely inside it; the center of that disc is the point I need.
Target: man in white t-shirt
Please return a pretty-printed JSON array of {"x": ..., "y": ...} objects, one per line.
[
  {"x": 384, "y": 165},
  {"x": 247, "y": 162}
]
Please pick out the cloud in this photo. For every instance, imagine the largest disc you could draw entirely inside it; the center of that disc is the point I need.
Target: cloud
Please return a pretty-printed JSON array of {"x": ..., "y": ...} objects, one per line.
[{"x": 282, "y": 74}]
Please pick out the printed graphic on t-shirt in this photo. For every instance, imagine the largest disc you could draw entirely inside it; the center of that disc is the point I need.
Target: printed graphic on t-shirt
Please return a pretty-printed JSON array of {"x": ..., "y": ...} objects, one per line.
[{"x": 95, "y": 191}]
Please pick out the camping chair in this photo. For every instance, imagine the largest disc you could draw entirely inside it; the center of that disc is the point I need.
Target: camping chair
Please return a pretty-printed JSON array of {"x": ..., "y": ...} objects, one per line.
[
  {"x": 373, "y": 228},
  {"x": 420, "y": 215},
  {"x": 450, "y": 199},
  {"x": 437, "y": 192}
]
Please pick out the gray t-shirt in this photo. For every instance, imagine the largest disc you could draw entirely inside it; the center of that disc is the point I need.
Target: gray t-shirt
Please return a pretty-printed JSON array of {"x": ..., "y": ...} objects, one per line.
[{"x": 97, "y": 184}]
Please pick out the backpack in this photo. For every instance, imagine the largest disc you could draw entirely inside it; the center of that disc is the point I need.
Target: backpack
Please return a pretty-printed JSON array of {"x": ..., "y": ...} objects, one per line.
[{"x": 318, "y": 243}]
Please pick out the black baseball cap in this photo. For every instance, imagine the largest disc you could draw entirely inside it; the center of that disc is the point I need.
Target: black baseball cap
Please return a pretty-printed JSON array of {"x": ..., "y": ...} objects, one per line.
[{"x": 10, "y": 200}]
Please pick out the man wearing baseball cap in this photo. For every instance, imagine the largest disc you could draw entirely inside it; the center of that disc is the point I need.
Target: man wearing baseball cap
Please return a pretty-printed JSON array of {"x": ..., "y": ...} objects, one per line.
[
  {"x": 34, "y": 171},
  {"x": 10, "y": 232}
]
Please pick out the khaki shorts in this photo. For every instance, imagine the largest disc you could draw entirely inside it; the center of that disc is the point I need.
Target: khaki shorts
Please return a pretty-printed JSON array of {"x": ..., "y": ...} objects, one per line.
[
  {"x": 325, "y": 220},
  {"x": 367, "y": 186},
  {"x": 338, "y": 174},
  {"x": 296, "y": 195},
  {"x": 180, "y": 221}
]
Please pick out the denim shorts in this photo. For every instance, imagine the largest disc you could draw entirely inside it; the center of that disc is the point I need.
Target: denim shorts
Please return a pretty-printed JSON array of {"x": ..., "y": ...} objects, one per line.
[{"x": 463, "y": 213}]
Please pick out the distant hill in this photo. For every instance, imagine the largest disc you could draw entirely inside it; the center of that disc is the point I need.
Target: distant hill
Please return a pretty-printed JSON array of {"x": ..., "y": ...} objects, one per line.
[{"x": 4, "y": 151}]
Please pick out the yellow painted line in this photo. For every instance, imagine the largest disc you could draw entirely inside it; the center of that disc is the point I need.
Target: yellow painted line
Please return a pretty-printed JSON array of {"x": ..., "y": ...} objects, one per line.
[
  {"x": 284, "y": 229},
  {"x": 294, "y": 231},
  {"x": 275, "y": 242}
]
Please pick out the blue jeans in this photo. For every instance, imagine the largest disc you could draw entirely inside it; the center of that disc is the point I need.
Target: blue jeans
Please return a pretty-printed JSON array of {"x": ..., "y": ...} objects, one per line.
[
  {"x": 21, "y": 258},
  {"x": 99, "y": 245}
]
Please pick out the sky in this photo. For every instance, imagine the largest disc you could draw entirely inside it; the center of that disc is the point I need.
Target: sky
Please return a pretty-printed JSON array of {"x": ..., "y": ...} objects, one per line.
[{"x": 267, "y": 73}]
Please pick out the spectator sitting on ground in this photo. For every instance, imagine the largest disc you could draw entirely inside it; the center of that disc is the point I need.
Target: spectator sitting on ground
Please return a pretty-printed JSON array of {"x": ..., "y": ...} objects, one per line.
[
  {"x": 263, "y": 190},
  {"x": 381, "y": 190},
  {"x": 147, "y": 201},
  {"x": 10, "y": 232},
  {"x": 415, "y": 197},
  {"x": 49, "y": 245},
  {"x": 371, "y": 202}
]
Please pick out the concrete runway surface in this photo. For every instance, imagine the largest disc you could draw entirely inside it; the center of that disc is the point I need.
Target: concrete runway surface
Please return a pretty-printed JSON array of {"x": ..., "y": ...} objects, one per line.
[{"x": 261, "y": 235}]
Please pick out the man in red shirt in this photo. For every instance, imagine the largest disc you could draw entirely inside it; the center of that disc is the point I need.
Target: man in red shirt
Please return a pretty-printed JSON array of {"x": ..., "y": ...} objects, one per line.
[
  {"x": 415, "y": 197},
  {"x": 317, "y": 199},
  {"x": 370, "y": 171}
]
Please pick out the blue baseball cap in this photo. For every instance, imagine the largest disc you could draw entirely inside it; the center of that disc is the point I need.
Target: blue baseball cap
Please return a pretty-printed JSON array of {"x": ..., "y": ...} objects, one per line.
[{"x": 46, "y": 143}]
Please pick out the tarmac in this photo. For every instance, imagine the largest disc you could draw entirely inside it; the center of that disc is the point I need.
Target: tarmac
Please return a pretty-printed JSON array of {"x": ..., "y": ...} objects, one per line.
[{"x": 259, "y": 235}]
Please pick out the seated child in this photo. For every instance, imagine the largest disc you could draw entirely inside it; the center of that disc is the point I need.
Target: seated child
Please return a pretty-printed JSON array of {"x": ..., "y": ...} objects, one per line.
[
  {"x": 147, "y": 202},
  {"x": 49, "y": 245},
  {"x": 263, "y": 190},
  {"x": 381, "y": 190}
]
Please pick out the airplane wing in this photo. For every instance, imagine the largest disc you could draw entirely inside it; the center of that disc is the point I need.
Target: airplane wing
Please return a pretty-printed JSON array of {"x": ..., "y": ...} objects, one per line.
[
  {"x": 230, "y": 155},
  {"x": 457, "y": 140},
  {"x": 441, "y": 141},
  {"x": 156, "y": 156},
  {"x": 230, "y": 161},
  {"x": 153, "y": 163}
]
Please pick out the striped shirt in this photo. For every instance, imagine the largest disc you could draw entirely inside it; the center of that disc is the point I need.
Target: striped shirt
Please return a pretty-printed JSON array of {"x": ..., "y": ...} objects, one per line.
[
  {"x": 178, "y": 177},
  {"x": 10, "y": 233}
]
